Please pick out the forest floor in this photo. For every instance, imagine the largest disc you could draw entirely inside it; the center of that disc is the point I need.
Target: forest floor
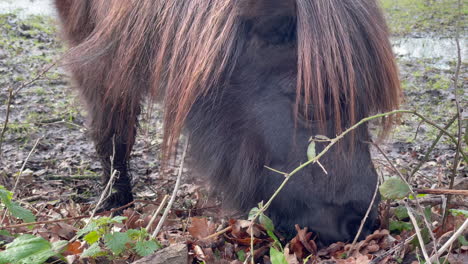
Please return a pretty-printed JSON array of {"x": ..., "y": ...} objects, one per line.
[{"x": 46, "y": 142}]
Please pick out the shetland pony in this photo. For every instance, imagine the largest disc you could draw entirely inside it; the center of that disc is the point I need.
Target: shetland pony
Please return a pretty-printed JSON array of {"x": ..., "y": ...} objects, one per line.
[{"x": 250, "y": 81}]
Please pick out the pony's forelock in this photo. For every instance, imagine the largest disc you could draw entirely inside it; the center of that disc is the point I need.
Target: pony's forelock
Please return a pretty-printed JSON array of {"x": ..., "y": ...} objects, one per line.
[{"x": 178, "y": 51}]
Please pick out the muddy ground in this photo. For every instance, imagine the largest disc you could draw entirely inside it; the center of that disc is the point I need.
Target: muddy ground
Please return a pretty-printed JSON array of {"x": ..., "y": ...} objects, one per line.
[{"x": 46, "y": 116}]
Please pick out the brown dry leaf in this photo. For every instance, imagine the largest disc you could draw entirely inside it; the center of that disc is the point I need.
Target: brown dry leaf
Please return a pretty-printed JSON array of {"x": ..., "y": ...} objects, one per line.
[
  {"x": 63, "y": 230},
  {"x": 241, "y": 228},
  {"x": 74, "y": 248},
  {"x": 370, "y": 244},
  {"x": 290, "y": 258},
  {"x": 332, "y": 250},
  {"x": 359, "y": 259},
  {"x": 304, "y": 237},
  {"x": 134, "y": 220},
  {"x": 458, "y": 258},
  {"x": 201, "y": 228}
]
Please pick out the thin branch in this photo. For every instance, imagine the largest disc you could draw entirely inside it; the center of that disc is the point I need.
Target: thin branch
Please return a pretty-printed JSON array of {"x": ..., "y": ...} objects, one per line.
[
  {"x": 174, "y": 192},
  {"x": 392, "y": 250},
  {"x": 418, "y": 234},
  {"x": 227, "y": 229},
  {"x": 24, "y": 165},
  {"x": 105, "y": 193},
  {"x": 42, "y": 73},
  {"x": 459, "y": 232},
  {"x": 363, "y": 221},
  {"x": 442, "y": 191},
  {"x": 431, "y": 148},
  {"x": 156, "y": 213},
  {"x": 418, "y": 205},
  {"x": 457, "y": 103},
  {"x": 21, "y": 172},
  {"x": 7, "y": 118},
  {"x": 277, "y": 171}
]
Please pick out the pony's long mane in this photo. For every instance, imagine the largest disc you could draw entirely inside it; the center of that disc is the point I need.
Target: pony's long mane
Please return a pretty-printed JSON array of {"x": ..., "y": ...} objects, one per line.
[{"x": 178, "y": 51}]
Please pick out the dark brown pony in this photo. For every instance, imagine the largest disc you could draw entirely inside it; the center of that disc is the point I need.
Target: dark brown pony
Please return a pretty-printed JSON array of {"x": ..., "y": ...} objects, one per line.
[{"x": 250, "y": 81}]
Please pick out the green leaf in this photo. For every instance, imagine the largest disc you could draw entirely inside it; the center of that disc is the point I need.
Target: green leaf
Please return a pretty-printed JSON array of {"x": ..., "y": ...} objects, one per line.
[
  {"x": 134, "y": 234},
  {"x": 5, "y": 195},
  {"x": 5, "y": 233},
  {"x": 428, "y": 213},
  {"x": 398, "y": 226},
  {"x": 90, "y": 227},
  {"x": 102, "y": 221},
  {"x": 463, "y": 240},
  {"x": 93, "y": 251},
  {"x": 425, "y": 236},
  {"x": 401, "y": 213},
  {"x": 92, "y": 237},
  {"x": 14, "y": 208},
  {"x": 277, "y": 243},
  {"x": 241, "y": 255},
  {"x": 22, "y": 213},
  {"x": 27, "y": 249},
  {"x": 266, "y": 222},
  {"x": 253, "y": 212},
  {"x": 116, "y": 242},
  {"x": 420, "y": 195},
  {"x": 322, "y": 138},
  {"x": 394, "y": 188},
  {"x": 459, "y": 212},
  {"x": 277, "y": 257},
  {"x": 145, "y": 248},
  {"x": 311, "y": 154},
  {"x": 59, "y": 246},
  {"x": 118, "y": 219}
]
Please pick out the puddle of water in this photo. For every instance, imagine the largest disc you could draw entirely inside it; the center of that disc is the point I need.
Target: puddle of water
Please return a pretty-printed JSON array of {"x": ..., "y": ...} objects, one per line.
[
  {"x": 27, "y": 7},
  {"x": 440, "y": 50}
]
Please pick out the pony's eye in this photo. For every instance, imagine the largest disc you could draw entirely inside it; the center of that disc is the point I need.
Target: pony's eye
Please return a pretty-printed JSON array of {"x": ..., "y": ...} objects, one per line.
[{"x": 278, "y": 31}]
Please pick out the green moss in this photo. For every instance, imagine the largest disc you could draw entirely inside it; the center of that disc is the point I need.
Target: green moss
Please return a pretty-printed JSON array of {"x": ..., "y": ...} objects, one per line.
[
  {"x": 42, "y": 24},
  {"x": 422, "y": 16},
  {"x": 441, "y": 84}
]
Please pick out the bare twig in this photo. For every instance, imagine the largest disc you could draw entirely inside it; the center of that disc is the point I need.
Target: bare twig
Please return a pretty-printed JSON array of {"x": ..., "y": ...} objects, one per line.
[
  {"x": 431, "y": 148},
  {"x": 11, "y": 95},
  {"x": 418, "y": 205},
  {"x": 227, "y": 229},
  {"x": 277, "y": 171},
  {"x": 418, "y": 233},
  {"x": 7, "y": 118},
  {"x": 459, "y": 232},
  {"x": 20, "y": 173},
  {"x": 363, "y": 221},
  {"x": 42, "y": 73},
  {"x": 457, "y": 103},
  {"x": 392, "y": 250},
  {"x": 174, "y": 192},
  {"x": 432, "y": 201},
  {"x": 105, "y": 192},
  {"x": 24, "y": 165},
  {"x": 156, "y": 213},
  {"x": 442, "y": 191}
]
